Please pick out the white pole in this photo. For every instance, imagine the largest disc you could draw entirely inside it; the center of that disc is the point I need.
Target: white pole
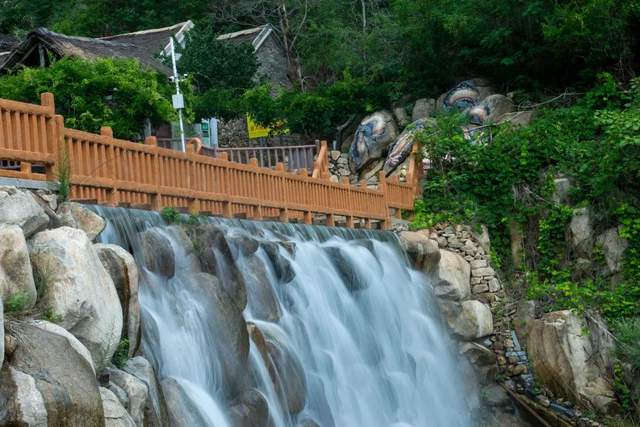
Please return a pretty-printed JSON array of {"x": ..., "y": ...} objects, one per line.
[{"x": 177, "y": 81}]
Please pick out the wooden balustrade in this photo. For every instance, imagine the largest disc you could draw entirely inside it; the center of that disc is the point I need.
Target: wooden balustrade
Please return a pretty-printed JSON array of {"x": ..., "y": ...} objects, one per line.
[{"x": 118, "y": 172}]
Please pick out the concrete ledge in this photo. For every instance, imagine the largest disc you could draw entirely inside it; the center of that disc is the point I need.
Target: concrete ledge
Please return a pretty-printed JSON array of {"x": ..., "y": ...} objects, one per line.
[{"x": 29, "y": 184}]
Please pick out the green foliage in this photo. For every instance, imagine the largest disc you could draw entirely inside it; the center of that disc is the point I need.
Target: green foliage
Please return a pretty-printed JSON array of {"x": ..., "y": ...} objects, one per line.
[
  {"x": 627, "y": 333},
  {"x": 171, "y": 215},
  {"x": 16, "y": 302},
  {"x": 90, "y": 94},
  {"x": 509, "y": 178},
  {"x": 51, "y": 316},
  {"x": 121, "y": 354},
  {"x": 64, "y": 175}
]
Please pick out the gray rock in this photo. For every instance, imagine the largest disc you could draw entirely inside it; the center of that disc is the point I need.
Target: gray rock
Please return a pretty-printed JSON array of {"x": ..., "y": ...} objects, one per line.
[
  {"x": 478, "y": 263},
  {"x": 494, "y": 285},
  {"x": 136, "y": 390},
  {"x": 451, "y": 278},
  {"x": 495, "y": 396},
  {"x": 114, "y": 413},
  {"x": 261, "y": 297},
  {"x": 18, "y": 207},
  {"x": 372, "y": 138},
  {"x": 64, "y": 379},
  {"x": 20, "y": 400},
  {"x": 482, "y": 359},
  {"x": 77, "y": 288},
  {"x": 155, "y": 412},
  {"x": 401, "y": 116},
  {"x": 181, "y": 410},
  {"x": 157, "y": 253},
  {"x": 123, "y": 271},
  {"x": 423, "y": 108},
  {"x": 572, "y": 358},
  {"x": 252, "y": 410},
  {"x": 75, "y": 215},
  {"x": 422, "y": 251},
  {"x": 468, "y": 320},
  {"x": 562, "y": 190},
  {"x": 1, "y": 332},
  {"x": 16, "y": 276},
  {"x": 483, "y": 272},
  {"x": 581, "y": 229},
  {"x": 613, "y": 247},
  {"x": 491, "y": 109},
  {"x": 73, "y": 341}
]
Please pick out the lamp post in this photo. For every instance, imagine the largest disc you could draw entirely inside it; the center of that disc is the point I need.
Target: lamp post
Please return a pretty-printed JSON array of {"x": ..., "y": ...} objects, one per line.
[{"x": 178, "y": 99}]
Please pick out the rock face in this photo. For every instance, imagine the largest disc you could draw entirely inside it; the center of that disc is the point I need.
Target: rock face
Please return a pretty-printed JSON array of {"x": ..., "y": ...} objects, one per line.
[
  {"x": 252, "y": 410},
  {"x": 451, "y": 279},
  {"x": 422, "y": 251},
  {"x": 468, "y": 320},
  {"x": 401, "y": 148},
  {"x": 16, "y": 277},
  {"x": 77, "y": 288},
  {"x": 490, "y": 109},
  {"x": 423, "y": 108},
  {"x": 123, "y": 271},
  {"x": 581, "y": 232},
  {"x": 181, "y": 411},
  {"x": 51, "y": 375},
  {"x": 114, "y": 413},
  {"x": 375, "y": 133},
  {"x": 135, "y": 390},
  {"x": 157, "y": 252},
  {"x": 613, "y": 247},
  {"x": 73, "y": 341},
  {"x": 75, "y": 215},
  {"x": 20, "y": 208},
  {"x": 154, "y": 410},
  {"x": 571, "y": 361}
]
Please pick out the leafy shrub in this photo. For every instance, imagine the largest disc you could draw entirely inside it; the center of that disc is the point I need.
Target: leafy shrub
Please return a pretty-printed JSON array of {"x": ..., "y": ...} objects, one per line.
[
  {"x": 121, "y": 354},
  {"x": 171, "y": 215}
]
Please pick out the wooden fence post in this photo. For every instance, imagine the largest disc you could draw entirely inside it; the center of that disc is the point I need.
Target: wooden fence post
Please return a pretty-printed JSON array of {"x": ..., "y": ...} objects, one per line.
[
  {"x": 52, "y": 144},
  {"x": 382, "y": 186},
  {"x": 227, "y": 211},
  {"x": 114, "y": 196},
  {"x": 193, "y": 149}
]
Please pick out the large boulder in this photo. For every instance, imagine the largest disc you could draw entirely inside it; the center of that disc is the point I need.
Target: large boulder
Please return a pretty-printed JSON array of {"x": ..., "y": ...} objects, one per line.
[
  {"x": 154, "y": 408},
  {"x": 65, "y": 382},
  {"x": 422, "y": 251},
  {"x": 613, "y": 247},
  {"x": 227, "y": 325},
  {"x": 261, "y": 296},
  {"x": 136, "y": 391},
  {"x": 181, "y": 410},
  {"x": 73, "y": 341},
  {"x": 75, "y": 215},
  {"x": 581, "y": 228},
  {"x": 372, "y": 138},
  {"x": 468, "y": 320},
  {"x": 464, "y": 95},
  {"x": 451, "y": 278},
  {"x": 401, "y": 148},
  {"x": 16, "y": 276},
  {"x": 115, "y": 415},
  {"x": 123, "y": 271},
  {"x": 20, "y": 400},
  {"x": 251, "y": 410},
  {"x": 491, "y": 109},
  {"x": 285, "y": 369},
  {"x": 423, "y": 108},
  {"x": 482, "y": 359},
  {"x": 77, "y": 288},
  {"x": 18, "y": 207},
  {"x": 571, "y": 357},
  {"x": 157, "y": 252}
]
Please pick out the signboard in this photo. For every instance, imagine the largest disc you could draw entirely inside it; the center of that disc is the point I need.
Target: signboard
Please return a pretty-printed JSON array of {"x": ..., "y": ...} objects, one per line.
[{"x": 255, "y": 130}]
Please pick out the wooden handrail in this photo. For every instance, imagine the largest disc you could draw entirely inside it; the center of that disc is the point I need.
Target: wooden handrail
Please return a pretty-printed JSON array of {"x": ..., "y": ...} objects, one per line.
[{"x": 113, "y": 171}]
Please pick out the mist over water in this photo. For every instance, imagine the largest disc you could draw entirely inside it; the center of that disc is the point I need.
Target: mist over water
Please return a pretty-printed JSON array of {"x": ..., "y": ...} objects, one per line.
[{"x": 357, "y": 338}]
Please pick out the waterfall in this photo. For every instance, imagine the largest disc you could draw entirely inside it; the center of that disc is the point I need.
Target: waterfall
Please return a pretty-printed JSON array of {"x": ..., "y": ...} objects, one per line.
[{"x": 304, "y": 325}]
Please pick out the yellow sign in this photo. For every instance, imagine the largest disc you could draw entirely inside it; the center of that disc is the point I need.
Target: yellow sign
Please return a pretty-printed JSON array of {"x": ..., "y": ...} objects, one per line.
[{"x": 255, "y": 130}]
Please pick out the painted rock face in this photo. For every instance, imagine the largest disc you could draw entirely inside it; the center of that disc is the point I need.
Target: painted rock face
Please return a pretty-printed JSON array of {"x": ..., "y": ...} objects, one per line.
[
  {"x": 490, "y": 109},
  {"x": 374, "y": 135},
  {"x": 403, "y": 145},
  {"x": 462, "y": 97}
]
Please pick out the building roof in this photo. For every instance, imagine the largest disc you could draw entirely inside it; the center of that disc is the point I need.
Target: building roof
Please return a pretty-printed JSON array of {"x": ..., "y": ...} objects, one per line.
[
  {"x": 145, "y": 46},
  {"x": 256, "y": 36},
  {"x": 7, "y": 42}
]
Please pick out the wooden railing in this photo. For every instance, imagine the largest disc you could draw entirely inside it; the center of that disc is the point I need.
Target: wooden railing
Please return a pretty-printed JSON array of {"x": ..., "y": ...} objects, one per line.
[{"x": 116, "y": 172}]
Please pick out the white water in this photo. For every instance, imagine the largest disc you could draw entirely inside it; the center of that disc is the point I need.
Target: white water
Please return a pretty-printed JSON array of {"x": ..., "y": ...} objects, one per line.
[{"x": 378, "y": 356}]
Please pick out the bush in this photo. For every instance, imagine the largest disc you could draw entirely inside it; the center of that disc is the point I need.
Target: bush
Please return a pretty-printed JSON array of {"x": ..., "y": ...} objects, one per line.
[
  {"x": 16, "y": 302},
  {"x": 90, "y": 94}
]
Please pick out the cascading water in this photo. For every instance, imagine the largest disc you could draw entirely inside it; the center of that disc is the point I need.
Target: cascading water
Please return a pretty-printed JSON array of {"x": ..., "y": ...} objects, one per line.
[{"x": 341, "y": 332}]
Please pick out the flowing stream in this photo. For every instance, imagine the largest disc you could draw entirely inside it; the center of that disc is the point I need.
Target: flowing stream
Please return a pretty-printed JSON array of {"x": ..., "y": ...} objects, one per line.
[{"x": 341, "y": 331}]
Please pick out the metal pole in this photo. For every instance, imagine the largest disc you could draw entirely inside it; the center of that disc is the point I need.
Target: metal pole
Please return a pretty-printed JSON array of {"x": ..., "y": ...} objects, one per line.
[{"x": 177, "y": 81}]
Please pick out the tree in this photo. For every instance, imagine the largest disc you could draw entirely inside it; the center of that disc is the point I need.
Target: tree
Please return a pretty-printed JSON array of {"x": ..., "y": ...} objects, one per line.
[{"x": 90, "y": 94}]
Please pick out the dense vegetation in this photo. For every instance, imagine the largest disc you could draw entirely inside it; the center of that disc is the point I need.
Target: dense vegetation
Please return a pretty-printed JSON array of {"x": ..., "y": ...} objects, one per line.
[
  {"x": 375, "y": 51},
  {"x": 91, "y": 94}
]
